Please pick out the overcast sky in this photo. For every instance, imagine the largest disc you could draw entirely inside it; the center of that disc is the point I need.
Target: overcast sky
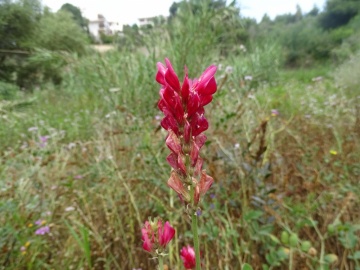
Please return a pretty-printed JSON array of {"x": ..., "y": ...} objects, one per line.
[{"x": 128, "y": 11}]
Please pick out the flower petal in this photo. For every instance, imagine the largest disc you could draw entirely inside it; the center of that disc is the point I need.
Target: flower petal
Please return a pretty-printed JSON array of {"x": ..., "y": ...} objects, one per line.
[
  {"x": 198, "y": 124},
  {"x": 160, "y": 75},
  {"x": 205, "y": 183},
  {"x": 195, "y": 148},
  {"x": 177, "y": 185},
  {"x": 173, "y": 142},
  {"x": 147, "y": 245},
  {"x": 170, "y": 76},
  {"x": 205, "y": 100},
  {"x": 169, "y": 123},
  {"x": 187, "y": 254},
  {"x": 187, "y": 131},
  {"x": 173, "y": 100},
  {"x": 209, "y": 88},
  {"x": 166, "y": 233},
  {"x": 185, "y": 90},
  {"x": 193, "y": 103},
  {"x": 206, "y": 77}
]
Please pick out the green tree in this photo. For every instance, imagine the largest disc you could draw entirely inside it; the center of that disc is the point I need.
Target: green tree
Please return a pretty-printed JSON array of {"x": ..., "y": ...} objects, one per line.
[
  {"x": 59, "y": 32},
  {"x": 76, "y": 15},
  {"x": 18, "y": 22},
  {"x": 314, "y": 12},
  {"x": 338, "y": 13}
]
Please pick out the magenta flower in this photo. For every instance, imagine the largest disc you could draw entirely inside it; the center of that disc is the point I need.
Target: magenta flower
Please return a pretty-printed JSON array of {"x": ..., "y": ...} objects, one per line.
[
  {"x": 184, "y": 119},
  {"x": 42, "y": 230},
  {"x": 187, "y": 254},
  {"x": 156, "y": 235}
]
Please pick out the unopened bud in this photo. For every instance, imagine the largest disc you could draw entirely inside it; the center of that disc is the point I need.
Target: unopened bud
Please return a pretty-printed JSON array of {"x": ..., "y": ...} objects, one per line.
[
  {"x": 331, "y": 258},
  {"x": 312, "y": 252}
]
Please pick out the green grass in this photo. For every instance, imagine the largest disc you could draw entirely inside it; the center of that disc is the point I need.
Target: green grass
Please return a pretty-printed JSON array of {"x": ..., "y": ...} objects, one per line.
[{"x": 103, "y": 172}]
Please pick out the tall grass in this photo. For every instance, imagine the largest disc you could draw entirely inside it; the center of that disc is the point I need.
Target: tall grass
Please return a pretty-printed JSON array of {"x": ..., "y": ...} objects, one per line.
[{"x": 101, "y": 171}]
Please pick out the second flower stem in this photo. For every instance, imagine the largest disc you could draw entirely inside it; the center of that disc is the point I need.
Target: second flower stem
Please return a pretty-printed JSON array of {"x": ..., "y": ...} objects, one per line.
[
  {"x": 194, "y": 225},
  {"x": 161, "y": 262}
]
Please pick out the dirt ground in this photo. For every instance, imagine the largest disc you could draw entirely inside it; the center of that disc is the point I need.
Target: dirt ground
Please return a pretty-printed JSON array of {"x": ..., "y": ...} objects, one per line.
[{"x": 103, "y": 47}]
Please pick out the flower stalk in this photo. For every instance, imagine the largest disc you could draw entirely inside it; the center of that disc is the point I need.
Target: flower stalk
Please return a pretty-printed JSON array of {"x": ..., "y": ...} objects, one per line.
[
  {"x": 194, "y": 227},
  {"x": 184, "y": 119}
]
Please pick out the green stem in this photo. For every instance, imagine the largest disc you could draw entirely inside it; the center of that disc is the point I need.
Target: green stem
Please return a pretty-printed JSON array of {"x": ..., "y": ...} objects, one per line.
[
  {"x": 194, "y": 225},
  {"x": 161, "y": 262}
]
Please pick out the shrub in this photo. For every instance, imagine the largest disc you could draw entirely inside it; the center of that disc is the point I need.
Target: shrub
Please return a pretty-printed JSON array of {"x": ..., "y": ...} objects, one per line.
[{"x": 348, "y": 74}]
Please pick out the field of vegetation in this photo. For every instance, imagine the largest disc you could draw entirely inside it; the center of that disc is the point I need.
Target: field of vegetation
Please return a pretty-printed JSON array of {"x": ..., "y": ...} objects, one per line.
[{"x": 83, "y": 155}]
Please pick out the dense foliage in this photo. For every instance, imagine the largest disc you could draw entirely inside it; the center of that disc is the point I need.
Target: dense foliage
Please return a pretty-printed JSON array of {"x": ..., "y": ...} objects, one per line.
[
  {"x": 83, "y": 159},
  {"x": 29, "y": 32}
]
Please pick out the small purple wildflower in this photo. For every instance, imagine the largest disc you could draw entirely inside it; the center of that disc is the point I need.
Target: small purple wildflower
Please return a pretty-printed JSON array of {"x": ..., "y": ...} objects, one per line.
[
  {"x": 42, "y": 230},
  {"x": 43, "y": 141},
  {"x": 39, "y": 222},
  {"x": 274, "y": 112},
  {"x": 198, "y": 212},
  {"x": 212, "y": 195}
]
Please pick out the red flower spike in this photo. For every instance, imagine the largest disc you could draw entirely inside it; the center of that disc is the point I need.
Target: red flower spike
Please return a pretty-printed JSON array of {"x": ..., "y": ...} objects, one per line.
[
  {"x": 187, "y": 254},
  {"x": 177, "y": 185},
  {"x": 170, "y": 76},
  {"x": 183, "y": 108}
]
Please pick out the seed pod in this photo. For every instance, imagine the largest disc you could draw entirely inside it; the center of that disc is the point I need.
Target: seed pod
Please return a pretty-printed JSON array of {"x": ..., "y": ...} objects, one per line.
[
  {"x": 293, "y": 240},
  {"x": 285, "y": 237},
  {"x": 331, "y": 258},
  {"x": 305, "y": 246}
]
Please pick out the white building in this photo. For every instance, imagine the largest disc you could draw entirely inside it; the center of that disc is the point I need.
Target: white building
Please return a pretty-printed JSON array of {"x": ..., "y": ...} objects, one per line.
[
  {"x": 100, "y": 25},
  {"x": 116, "y": 27},
  {"x": 143, "y": 22}
]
